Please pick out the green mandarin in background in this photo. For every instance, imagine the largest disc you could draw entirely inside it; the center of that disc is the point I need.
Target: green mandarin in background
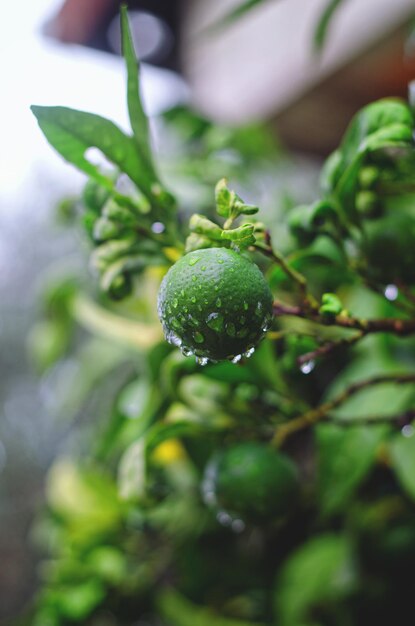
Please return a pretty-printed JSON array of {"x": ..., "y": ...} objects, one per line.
[
  {"x": 252, "y": 480},
  {"x": 216, "y": 304}
]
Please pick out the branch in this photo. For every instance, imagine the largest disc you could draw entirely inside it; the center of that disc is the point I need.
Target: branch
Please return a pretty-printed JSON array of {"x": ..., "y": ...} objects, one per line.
[
  {"x": 320, "y": 413},
  {"x": 400, "y": 420},
  {"x": 365, "y": 326},
  {"x": 329, "y": 347}
]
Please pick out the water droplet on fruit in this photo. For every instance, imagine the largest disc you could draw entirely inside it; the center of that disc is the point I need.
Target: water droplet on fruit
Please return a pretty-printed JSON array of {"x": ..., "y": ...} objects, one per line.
[
  {"x": 230, "y": 329},
  {"x": 242, "y": 332},
  {"x": 215, "y": 321},
  {"x": 249, "y": 352},
  {"x": 186, "y": 351},
  {"x": 307, "y": 367},
  {"x": 198, "y": 337},
  {"x": 202, "y": 360},
  {"x": 175, "y": 323},
  {"x": 258, "y": 310},
  {"x": 193, "y": 260},
  {"x": 174, "y": 339}
]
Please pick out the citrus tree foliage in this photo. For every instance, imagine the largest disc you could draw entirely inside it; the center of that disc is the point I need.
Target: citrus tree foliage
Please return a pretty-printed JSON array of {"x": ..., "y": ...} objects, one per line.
[{"x": 272, "y": 486}]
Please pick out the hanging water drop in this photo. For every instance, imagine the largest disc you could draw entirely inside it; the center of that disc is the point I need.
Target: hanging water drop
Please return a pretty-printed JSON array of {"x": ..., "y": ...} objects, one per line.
[{"x": 307, "y": 367}]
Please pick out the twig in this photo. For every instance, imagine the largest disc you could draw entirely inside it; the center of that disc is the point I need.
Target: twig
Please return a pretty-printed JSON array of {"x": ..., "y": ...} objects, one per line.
[
  {"x": 320, "y": 413},
  {"x": 329, "y": 347},
  {"x": 401, "y": 420},
  {"x": 387, "y": 325}
]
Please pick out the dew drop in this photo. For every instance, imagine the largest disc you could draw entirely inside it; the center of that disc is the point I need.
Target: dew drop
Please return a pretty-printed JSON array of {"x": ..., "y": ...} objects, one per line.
[
  {"x": 198, "y": 337},
  {"x": 202, "y": 360},
  {"x": 307, "y": 367},
  {"x": 175, "y": 323},
  {"x": 408, "y": 430},
  {"x": 186, "y": 351},
  {"x": 224, "y": 518},
  {"x": 193, "y": 321},
  {"x": 174, "y": 339},
  {"x": 391, "y": 292},
  {"x": 238, "y": 526},
  {"x": 215, "y": 321},
  {"x": 193, "y": 260},
  {"x": 258, "y": 310},
  {"x": 230, "y": 329},
  {"x": 158, "y": 228}
]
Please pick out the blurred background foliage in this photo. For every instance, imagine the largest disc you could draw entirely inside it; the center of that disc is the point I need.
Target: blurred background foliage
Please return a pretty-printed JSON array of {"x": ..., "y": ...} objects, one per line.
[{"x": 123, "y": 534}]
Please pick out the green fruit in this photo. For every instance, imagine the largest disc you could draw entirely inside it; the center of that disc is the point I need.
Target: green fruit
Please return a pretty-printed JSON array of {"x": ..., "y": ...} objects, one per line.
[
  {"x": 215, "y": 303},
  {"x": 389, "y": 248},
  {"x": 252, "y": 480}
]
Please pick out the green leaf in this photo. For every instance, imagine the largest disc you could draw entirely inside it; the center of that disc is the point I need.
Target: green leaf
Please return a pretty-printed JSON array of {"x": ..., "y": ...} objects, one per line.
[
  {"x": 132, "y": 471},
  {"x": 241, "y": 237},
  {"x": 72, "y": 132},
  {"x": 319, "y": 574},
  {"x": 138, "y": 118},
  {"x": 234, "y": 15},
  {"x": 402, "y": 450},
  {"x": 203, "y": 226},
  {"x": 179, "y": 611},
  {"x": 322, "y": 29},
  {"x": 345, "y": 457}
]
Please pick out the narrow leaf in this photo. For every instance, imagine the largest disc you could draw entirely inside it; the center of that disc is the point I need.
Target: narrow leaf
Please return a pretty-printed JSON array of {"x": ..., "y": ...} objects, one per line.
[
  {"x": 322, "y": 29},
  {"x": 138, "y": 118},
  {"x": 402, "y": 450},
  {"x": 234, "y": 15},
  {"x": 72, "y": 132}
]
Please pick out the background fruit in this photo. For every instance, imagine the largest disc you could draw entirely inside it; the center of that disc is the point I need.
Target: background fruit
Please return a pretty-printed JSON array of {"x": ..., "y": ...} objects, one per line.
[{"x": 252, "y": 480}]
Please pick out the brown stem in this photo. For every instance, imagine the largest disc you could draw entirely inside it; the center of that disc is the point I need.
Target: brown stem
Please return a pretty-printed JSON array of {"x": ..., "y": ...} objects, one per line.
[
  {"x": 320, "y": 413},
  {"x": 387, "y": 325},
  {"x": 329, "y": 347}
]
